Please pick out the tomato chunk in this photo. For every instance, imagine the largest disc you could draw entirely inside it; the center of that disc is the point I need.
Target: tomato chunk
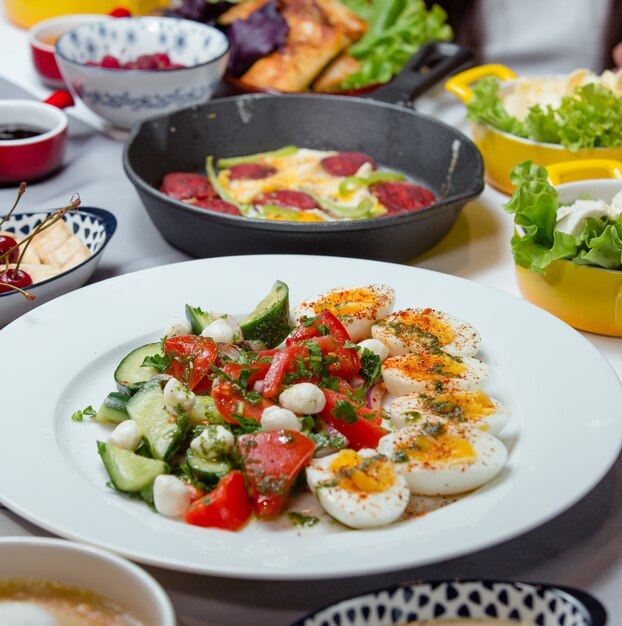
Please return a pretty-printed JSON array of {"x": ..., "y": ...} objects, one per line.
[
  {"x": 362, "y": 426},
  {"x": 271, "y": 461},
  {"x": 227, "y": 507},
  {"x": 324, "y": 321},
  {"x": 276, "y": 374},
  {"x": 230, "y": 402},
  {"x": 193, "y": 357}
]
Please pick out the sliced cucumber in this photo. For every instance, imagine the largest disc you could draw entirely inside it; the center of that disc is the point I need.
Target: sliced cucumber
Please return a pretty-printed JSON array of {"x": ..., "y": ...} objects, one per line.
[
  {"x": 131, "y": 374},
  {"x": 128, "y": 471},
  {"x": 270, "y": 321},
  {"x": 198, "y": 318},
  {"x": 204, "y": 411},
  {"x": 146, "y": 407},
  {"x": 113, "y": 409},
  {"x": 207, "y": 471}
]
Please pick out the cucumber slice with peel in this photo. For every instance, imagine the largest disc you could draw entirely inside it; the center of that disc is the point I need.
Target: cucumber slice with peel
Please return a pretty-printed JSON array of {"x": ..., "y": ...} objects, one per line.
[
  {"x": 147, "y": 408},
  {"x": 270, "y": 322},
  {"x": 113, "y": 409},
  {"x": 129, "y": 471},
  {"x": 131, "y": 374},
  {"x": 198, "y": 318}
]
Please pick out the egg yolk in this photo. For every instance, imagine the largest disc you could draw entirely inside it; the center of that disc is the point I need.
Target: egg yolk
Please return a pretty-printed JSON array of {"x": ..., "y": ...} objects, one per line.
[
  {"x": 421, "y": 326},
  {"x": 446, "y": 449},
  {"x": 360, "y": 302},
  {"x": 428, "y": 365},
  {"x": 362, "y": 474},
  {"x": 469, "y": 406},
  {"x": 295, "y": 216}
]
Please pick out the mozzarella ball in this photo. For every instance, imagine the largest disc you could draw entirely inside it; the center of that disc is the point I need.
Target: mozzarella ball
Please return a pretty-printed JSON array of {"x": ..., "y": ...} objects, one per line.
[
  {"x": 426, "y": 372},
  {"x": 356, "y": 308},
  {"x": 277, "y": 418},
  {"x": 126, "y": 435},
  {"x": 225, "y": 329},
  {"x": 178, "y": 396},
  {"x": 411, "y": 330},
  {"x": 375, "y": 346},
  {"x": 178, "y": 327},
  {"x": 170, "y": 496},
  {"x": 475, "y": 408},
  {"x": 214, "y": 442},
  {"x": 359, "y": 489},
  {"x": 439, "y": 459},
  {"x": 303, "y": 399}
]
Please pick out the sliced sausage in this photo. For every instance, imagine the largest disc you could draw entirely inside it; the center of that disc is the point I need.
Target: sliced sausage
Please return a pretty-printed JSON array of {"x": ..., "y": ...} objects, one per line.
[
  {"x": 183, "y": 185},
  {"x": 218, "y": 205},
  {"x": 286, "y": 198},
  {"x": 251, "y": 171},
  {"x": 400, "y": 196},
  {"x": 346, "y": 163}
]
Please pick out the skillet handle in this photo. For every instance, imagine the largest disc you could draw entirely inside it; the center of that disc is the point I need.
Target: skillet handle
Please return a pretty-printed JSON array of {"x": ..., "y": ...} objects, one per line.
[{"x": 434, "y": 62}]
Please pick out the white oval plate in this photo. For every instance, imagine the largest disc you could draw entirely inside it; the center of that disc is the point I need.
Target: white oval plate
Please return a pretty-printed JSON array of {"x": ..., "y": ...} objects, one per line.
[{"x": 563, "y": 394}]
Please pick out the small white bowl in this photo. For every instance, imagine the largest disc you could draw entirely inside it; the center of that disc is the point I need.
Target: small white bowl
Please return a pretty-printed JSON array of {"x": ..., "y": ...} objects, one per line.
[
  {"x": 92, "y": 569},
  {"x": 124, "y": 97},
  {"x": 94, "y": 226}
]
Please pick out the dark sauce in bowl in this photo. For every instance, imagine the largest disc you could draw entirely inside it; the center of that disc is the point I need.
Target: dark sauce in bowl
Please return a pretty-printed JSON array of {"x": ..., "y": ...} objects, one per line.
[{"x": 10, "y": 132}]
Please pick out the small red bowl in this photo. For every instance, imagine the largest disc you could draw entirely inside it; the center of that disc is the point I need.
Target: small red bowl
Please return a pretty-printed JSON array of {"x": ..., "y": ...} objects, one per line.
[
  {"x": 34, "y": 157},
  {"x": 43, "y": 36}
]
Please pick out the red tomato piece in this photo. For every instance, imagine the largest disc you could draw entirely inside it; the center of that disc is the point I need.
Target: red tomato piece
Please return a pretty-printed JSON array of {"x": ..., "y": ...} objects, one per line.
[
  {"x": 328, "y": 319},
  {"x": 193, "y": 358},
  {"x": 229, "y": 402},
  {"x": 361, "y": 426},
  {"x": 227, "y": 507},
  {"x": 271, "y": 461},
  {"x": 347, "y": 363},
  {"x": 276, "y": 373}
]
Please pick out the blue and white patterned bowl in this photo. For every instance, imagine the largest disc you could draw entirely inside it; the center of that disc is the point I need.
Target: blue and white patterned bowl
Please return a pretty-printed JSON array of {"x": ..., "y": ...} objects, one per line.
[
  {"x": 95, "y": 228},
  {"x": 124, "y": 97},
  {"x": 529, "y": 603}
]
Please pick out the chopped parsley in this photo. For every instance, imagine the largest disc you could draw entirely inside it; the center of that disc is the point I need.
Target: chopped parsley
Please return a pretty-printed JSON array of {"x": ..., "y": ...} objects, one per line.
[
  {"x": 302, "y": 520},
  {"x": 345, "y": 412},
  {"x": 432, "y": 429},
  {"x": 78, "y": 416},
  {"x": 158, "y": 362},
  {"x": 371, "y": 367}
]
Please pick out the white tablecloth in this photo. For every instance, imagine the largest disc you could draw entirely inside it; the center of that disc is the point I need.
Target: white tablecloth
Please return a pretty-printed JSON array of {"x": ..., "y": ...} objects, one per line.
[{"x": 582, "y": 547}]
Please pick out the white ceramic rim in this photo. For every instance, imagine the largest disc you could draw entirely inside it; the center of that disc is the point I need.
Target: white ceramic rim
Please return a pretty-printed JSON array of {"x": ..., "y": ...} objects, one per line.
[
  {"x": 551, "y": 476},
  {"x": 164, "y": 604},
  {"x": 97, "y": 68},
  {"x": 32, "y": 105},
  {"x": 55, "y": 24}
]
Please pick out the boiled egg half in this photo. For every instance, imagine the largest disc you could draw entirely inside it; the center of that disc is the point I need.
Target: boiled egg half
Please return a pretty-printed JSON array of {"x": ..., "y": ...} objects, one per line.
[
  {"x": 359, "y": 489},
  {"x": 411, "y": 330},
  {"x": 475, "y": 408},
  {"x": 433, "y": 371},
  {"x": 357, "y": 308},
  {"x": 439, "y": 459}
]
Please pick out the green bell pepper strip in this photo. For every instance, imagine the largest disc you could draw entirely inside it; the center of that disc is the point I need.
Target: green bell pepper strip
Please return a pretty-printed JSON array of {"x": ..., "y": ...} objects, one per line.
[{"x": 253, "y": 158}]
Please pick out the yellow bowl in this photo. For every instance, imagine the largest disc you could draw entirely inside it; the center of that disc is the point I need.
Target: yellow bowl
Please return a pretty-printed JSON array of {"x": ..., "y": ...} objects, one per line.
[
  {"x": 588, "y": 298},
  {"x": 27, "y": 13},
  {"x": 501, "y": 150}
]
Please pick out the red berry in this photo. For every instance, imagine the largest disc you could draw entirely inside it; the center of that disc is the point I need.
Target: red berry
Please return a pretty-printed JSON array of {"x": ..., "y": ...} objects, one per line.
[
  {"x": 162, "y": 59},
  {"x": 147, "y": 62},
  {"x": 110, "y": 62},
  {"x": 120, "y": 12},
  {"x": 14, "y": 278},
  {"x": 6, "y": 243}
]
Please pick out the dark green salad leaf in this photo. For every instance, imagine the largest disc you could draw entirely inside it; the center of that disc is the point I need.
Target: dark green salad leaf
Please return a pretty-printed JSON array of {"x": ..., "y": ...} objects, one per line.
[
  {"x": 590, "y": 117},
  {"x": 397, "y": 30},
  {"x": 534, "y": 204}
]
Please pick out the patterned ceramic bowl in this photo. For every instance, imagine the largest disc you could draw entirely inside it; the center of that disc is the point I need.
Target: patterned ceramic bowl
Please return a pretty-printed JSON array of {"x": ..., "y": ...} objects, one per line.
[
  {"x": 124, "y": 96},
  {"x": 523, "y": 603},
  {"x": 93, "y": 226}
]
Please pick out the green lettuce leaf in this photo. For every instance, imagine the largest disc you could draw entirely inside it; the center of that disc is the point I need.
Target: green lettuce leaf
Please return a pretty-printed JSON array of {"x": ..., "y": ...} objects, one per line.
[
  {"x": 591, "y": 117},
  {"x": 397, "y": 30},
  {"x": 534, "y": 204}
]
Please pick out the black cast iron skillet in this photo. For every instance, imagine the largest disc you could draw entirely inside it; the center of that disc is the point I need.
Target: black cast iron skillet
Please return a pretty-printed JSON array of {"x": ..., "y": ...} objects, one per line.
[{"x": 426, "y": 150}]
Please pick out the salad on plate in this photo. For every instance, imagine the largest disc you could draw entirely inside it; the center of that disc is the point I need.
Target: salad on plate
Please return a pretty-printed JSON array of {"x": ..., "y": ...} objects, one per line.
[{"x": 367, "y": 415}]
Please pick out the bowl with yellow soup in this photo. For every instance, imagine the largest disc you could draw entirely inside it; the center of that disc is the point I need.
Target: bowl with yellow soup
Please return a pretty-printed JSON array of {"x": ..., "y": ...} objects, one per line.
[
  {"x": 53, "y": 582},
  {"x": 464, "y": 603}
]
